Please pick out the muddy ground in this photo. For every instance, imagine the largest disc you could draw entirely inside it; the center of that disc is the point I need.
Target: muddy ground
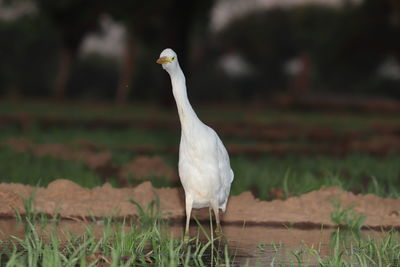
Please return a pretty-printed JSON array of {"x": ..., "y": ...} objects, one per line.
[
  {"x": 99, "y": 158},
  {"x": 276, "y": 138},
  {"x": 249, "y": 245},
  {"x": 141, "y": 167},
  {"x": 71, "y": 201}
]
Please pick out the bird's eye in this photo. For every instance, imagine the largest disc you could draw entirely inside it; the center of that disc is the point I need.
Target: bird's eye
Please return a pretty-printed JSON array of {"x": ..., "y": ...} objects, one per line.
[{"x": 173, "y": 58}]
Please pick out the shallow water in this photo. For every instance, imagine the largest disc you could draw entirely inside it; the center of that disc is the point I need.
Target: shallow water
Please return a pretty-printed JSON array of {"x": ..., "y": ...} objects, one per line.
[
  {"x": 246, "y": 244},
  {"x": 263, "y": 245}
]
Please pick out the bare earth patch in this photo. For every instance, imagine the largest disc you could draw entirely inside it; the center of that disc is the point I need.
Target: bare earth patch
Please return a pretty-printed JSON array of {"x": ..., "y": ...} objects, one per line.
[
  {"x": 324, "y": 141},
  {"x": 143, "y": 167},
  {"x": 91, "y": 158},
  {"x": 311, "y": 209}
]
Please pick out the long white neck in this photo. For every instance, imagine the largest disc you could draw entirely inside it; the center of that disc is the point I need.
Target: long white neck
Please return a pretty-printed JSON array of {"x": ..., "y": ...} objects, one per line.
[{"x": 187, "y": 115}]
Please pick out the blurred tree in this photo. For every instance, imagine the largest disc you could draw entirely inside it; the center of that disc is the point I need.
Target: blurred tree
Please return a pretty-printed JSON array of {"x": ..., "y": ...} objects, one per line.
[
  {"x": 266, "y": 40},
  {"x": 359, "y": 41},
  {"x": 312, "y": 26},
  {"x": 27, "y": 50},
  {"x": 156, "y": 24},
  {"x": 73, "y": 19},
  {"x": 94, "y": 77},
  {"x": 143, "y": 21},
  {"x": 345, "y": 45},
  {"x": 395, "y": 25},
  {"x": 180, "y": 19}
]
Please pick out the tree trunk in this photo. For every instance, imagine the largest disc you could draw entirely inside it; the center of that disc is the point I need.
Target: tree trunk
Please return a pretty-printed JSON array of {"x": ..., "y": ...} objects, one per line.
[
  {"x": 178, "y": 18},
  {"x": 63, "y": 73},
  {"x": 301, "y": 84},
  {"x": 126, "y": 77}
]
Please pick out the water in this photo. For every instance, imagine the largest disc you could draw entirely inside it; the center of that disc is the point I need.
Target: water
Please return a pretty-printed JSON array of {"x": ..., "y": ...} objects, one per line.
[
  {"x": 263, "y": 245},
  {"x": 245, "y": 244}
]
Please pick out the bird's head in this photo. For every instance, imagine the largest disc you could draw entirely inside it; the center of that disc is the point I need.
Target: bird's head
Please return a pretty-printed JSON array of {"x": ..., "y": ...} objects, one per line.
[{"x": 168, "y": 60}]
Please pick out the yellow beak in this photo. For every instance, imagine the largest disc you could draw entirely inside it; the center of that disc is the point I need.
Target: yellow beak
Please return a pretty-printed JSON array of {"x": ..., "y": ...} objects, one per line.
[{"x": 163, "y": 60}]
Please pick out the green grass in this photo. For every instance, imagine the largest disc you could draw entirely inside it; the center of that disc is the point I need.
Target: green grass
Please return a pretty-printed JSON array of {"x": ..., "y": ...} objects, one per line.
[
  {"x": 82, "y": 110},
  {"x": 298, "y": 175},
  {"x": 146, "y": 242},
  {"x": 120, "y": 243},
  {"x": 107, "y": 137},
  {"x": 295, "y": 175},
  {"x": 85, "y": 110},
  {"x": 29, "y": 169},
  {"x": 346, "y": 218},
  {"x": 349, "y": 249}
]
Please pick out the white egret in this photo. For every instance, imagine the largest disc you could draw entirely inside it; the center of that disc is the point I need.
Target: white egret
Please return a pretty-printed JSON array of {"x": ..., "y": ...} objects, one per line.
[{"x": 204, "y": 167}]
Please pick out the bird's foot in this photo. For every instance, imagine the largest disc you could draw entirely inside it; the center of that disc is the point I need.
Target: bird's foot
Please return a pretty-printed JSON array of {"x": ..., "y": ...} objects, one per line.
[
  {"x": 186, "y": 237},
  {"x": 218, "y": 231}
]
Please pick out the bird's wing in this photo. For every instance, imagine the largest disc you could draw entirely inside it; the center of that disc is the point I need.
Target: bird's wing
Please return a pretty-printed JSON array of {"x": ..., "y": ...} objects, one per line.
[
  {"x": 226, "y": 173},
  {"x": 224, "y": 162}
]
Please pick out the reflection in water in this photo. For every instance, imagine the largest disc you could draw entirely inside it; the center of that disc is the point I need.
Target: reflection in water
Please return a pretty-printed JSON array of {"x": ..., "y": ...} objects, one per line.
[{"x": 263, "y": 245}]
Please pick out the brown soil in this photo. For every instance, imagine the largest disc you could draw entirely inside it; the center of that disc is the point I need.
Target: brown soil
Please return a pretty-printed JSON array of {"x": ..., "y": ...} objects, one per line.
[
  {"x": 312, "y": 209},
  {"x": 141, "y": 167},
  {"x": 91, "y": 158},
  {"x": 289, "y": 130},
  {"x": 97, "y": 156},
  {"x": 144, "y": 167}
]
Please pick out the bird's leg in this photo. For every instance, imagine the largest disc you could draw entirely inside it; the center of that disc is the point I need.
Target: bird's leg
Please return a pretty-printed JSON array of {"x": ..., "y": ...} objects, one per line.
[
  {"x": 189, "y": 204},
  {"x": 216, "y": 213}
]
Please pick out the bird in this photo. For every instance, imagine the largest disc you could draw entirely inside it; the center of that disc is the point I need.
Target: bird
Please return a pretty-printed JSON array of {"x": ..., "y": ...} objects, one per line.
[{"x": 204, "y": 166}]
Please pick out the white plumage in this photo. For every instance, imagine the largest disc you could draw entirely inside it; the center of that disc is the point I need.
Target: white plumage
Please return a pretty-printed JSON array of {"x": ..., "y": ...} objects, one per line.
[{"x": 204, "y": 166}]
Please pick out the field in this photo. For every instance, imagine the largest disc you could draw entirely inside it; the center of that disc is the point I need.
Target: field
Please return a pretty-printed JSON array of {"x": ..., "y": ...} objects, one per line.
[{"x": 276, "y": 153}]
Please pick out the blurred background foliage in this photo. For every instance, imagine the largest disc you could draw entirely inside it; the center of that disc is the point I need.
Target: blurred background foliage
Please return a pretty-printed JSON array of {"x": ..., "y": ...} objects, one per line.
[{"x": 350, "y": 48}]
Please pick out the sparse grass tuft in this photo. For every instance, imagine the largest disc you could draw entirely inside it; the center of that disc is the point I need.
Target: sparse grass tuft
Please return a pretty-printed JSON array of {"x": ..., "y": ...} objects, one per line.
[
  {"x": 34, "y": 170},
  {"x": 297, "y": 175},
  {"x": 346, "y": 217},
  {"x": 345, "y": 249},
  {"x": 147, "y": 242},
  {"x": 122, "y": 243}
]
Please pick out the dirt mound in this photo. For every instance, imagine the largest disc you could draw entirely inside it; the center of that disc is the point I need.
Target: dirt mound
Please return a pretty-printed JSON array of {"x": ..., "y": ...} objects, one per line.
[
  {"x": 72, "y": 201},
  {"x": 145, "y": 167},
  {"x": 314, "y": 207},
  {"x": 101, "y": 161},
  {"x": 91, "y": 158},
  {"x": 19, "y": 144}
]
